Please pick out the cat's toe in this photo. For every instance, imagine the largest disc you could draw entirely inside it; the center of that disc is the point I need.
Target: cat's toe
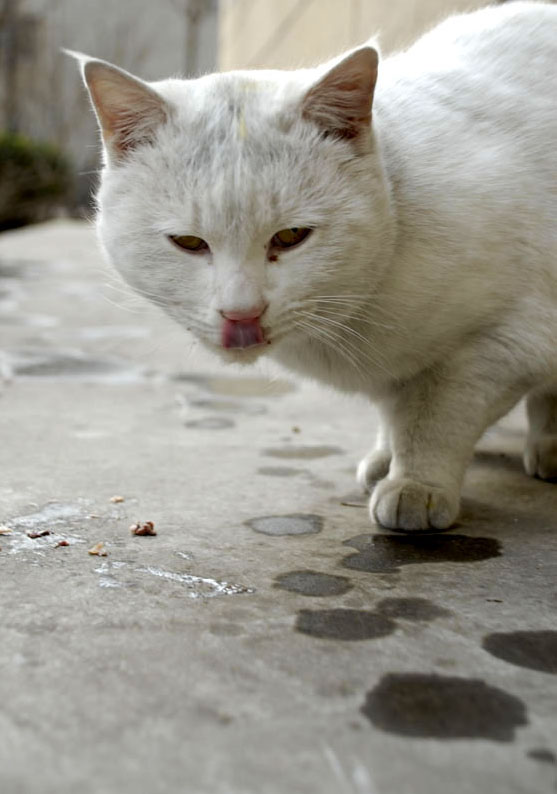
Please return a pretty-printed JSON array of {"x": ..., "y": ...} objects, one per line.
[
  {"x": 406, "y": 505},
  {"x": 372, "y": 468},
  {"x": 540, "y": 457}
]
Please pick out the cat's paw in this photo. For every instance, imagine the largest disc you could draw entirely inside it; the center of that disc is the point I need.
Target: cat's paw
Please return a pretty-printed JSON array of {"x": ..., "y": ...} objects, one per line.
[
  {"x": 372, "y": 468},
  {"x": 406, "y": 505},
  {"x": 540, "y": 457}
]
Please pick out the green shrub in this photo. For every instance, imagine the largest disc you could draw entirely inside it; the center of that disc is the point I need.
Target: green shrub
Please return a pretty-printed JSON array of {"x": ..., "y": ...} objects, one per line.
[{"x": 35, "y": 180}]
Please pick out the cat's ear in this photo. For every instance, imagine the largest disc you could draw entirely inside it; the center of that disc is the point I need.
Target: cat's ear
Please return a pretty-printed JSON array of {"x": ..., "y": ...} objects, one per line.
[
  {"x": 128, "y": 110},
  {"x": 340, "y": 102}
]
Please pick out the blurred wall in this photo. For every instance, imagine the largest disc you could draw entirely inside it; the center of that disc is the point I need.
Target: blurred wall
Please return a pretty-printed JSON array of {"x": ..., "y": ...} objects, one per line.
[
  {"x": 293, "y": 33},
  {"x": 41, "y": 93}
]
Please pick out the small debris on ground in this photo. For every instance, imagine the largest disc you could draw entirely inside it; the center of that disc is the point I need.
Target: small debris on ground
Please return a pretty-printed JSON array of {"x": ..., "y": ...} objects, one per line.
[
  {"x": 93, "y": 515},
  {"x": 41, "y": 534},
  {"x": 98, "y": 550},
  {"x": 62, "y": 543},
  {"x": 148, "y": 528},
  {"x": 296, "y": 429},
  {"x": 5, "y": 530},
  {"x": 117, "y": 499}
]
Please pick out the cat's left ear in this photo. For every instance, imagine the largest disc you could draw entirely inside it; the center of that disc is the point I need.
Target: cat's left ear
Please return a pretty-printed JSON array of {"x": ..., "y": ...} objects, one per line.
[
  {"x": 340, "y": 103},
  {"x": 129, "y": 111}
]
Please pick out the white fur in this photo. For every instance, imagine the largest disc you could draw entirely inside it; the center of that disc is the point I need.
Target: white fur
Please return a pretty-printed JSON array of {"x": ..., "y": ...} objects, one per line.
[{"x": 430, "y": 281}]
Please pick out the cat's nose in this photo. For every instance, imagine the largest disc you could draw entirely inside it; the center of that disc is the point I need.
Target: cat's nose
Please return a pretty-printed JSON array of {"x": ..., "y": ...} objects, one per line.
[{"x": 244, "y": 315}]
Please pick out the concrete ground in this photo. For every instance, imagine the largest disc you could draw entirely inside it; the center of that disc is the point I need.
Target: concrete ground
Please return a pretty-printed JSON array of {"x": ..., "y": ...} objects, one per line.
[{"x": 269, "y": 639}]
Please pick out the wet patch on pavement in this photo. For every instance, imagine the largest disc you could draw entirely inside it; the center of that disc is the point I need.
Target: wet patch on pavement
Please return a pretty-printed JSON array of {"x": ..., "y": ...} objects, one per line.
[
  {"x": 534, "y": 650},
  {"x": 211, "y": 423},
  {"x": 280, "y": 471},
  {"x": 344, "y": 624},
  {"x": 313, "y": 583},
  {"x": 543, "y": 755},
  {"x": 229, "y": 406},
  {"x": 71, "y": 365},
  {"x": 442, "y": 707},
  {"x": 387, "y": 553},
  {"x": 303, "y": 453},
  {"x": 197, "y": 586},
  {"x": 294, "y": 524},
  {"x": 414, "y": 609}
]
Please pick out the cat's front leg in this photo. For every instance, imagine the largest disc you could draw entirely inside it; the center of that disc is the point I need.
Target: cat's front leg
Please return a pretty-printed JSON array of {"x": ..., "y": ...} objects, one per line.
[
  {"x": 540, "y": 455},
  {"x": 377, "y": 462},
  {"x": 435, "y": 420}
]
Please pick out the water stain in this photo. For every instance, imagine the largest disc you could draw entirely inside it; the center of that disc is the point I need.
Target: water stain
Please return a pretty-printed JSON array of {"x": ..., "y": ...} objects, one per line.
[
  {"x": 200, "y": 586},
  {"x": 543, "y": 755},
  {"x": 443, "y": 707},
  {"x": 386, "y": 553},
  {"x": 294, "y": 524},
  {"x": 75, "y": 366},
  {"x": 417, "y": 609},
  {"x": 313, "y": 583},
  {"x": 211, "y": 423},
  {"x": 344, "y": 624},
  {"x": 230, "y": 406},
  {"x": 279, "y": 471},
  {"x": 535, "y": 650},
  {"x": 304, "y": 453}
]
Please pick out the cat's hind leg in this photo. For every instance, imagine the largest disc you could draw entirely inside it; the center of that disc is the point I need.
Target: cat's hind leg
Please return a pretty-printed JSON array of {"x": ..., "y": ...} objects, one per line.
[
  {"x": 377, "y": 462},
  {"x": 540, "y": 454}
]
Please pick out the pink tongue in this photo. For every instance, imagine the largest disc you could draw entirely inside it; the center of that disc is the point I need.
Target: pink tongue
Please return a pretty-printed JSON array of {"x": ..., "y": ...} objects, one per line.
[{"x": 242, "y": 333}]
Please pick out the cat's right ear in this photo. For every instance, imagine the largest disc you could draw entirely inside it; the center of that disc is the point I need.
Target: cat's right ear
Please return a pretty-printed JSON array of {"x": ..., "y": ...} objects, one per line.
[
  {"x": 128, "y": 110},
  {"x": 340, "y": 102}
]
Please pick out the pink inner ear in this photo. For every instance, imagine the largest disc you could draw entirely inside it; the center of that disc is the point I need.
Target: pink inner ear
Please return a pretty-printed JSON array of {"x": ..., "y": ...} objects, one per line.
[
  {"x": 242, "y": 333},
  {"x": 341, "y": 101}
]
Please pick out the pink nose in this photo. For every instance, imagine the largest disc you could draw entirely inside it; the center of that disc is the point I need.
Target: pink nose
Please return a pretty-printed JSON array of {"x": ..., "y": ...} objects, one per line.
[
  {"x": 253, "y": 313},
  {"x": 242, "y": 328}
]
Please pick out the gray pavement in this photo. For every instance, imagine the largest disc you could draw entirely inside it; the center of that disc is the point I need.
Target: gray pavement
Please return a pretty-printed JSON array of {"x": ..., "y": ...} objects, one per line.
[{"x": 269, "y": 639}]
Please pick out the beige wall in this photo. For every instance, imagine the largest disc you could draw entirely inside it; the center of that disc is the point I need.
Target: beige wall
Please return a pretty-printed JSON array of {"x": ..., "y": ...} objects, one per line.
[{"x": 292, "y": 33}]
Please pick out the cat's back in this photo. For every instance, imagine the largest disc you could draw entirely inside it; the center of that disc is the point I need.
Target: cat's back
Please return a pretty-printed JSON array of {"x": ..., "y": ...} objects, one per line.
[
  {"x": 467, "y": 119},
  {"x": 494, "y": 70}
]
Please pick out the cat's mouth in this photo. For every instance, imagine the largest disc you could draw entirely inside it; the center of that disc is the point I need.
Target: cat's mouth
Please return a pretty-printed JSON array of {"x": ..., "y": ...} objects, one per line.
[{"x": 243, "y": 333}]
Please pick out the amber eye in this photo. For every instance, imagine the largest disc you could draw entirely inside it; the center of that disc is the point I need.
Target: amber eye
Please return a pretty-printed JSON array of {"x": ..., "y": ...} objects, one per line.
[
  {"x": 288, "y": 238},
  {"x": 188, "y": 242}
]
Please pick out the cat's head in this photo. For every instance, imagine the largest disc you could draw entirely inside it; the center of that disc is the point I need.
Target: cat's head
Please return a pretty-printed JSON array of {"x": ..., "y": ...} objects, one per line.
[{"x": 244, "y": 202}]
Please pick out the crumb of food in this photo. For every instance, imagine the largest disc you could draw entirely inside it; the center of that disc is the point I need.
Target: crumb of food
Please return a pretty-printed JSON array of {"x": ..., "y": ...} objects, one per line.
[
  {"x": 296, "y": 429},
  {"x": 5, "y": 530},
  {"x": 116, "y": 499},
  {"x": 62, "y": 543},
  {"x": 148, "y": 528},
  {"x": 41, "y": 534},
  {"x": 98, "y": 550}
]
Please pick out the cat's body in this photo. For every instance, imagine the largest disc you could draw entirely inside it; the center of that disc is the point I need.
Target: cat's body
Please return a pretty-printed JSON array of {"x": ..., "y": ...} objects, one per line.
[{"x": 429, "y": 281}]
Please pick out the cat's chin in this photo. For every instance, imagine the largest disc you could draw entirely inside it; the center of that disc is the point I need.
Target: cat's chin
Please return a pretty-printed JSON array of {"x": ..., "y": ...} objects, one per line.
[{"x": 240, "y": 355}]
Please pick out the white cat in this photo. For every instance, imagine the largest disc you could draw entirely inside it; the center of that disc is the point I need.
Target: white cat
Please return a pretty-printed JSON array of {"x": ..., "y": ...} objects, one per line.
[{"x": 409, "y": 252}]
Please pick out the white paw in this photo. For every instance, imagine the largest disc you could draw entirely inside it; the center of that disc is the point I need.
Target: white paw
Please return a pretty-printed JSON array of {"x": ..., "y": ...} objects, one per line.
[
  {"x": 409, "y": 505},
  {"x": 372, "y": 468},
  {"x": 540, "y": 457}
]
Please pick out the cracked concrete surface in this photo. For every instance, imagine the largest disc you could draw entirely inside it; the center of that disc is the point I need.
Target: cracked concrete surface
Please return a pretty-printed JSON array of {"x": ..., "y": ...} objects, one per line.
[{"x": 268, "y": 639}]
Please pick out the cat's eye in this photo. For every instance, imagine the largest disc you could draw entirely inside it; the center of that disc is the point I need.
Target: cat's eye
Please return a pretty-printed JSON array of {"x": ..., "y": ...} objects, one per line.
[
  {"x": 288, "y": 238},
  {"x": 188, "y": 242}
]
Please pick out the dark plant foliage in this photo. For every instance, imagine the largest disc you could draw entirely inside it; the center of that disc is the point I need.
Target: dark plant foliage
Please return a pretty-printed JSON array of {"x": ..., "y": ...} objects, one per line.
[{"x": 35, "y": 180}]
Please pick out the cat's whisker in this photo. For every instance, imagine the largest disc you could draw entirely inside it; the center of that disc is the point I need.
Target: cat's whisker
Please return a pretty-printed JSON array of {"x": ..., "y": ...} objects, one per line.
[
  {"x": 330, "y": 341},
  {"x": 372, "y": 356}
]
